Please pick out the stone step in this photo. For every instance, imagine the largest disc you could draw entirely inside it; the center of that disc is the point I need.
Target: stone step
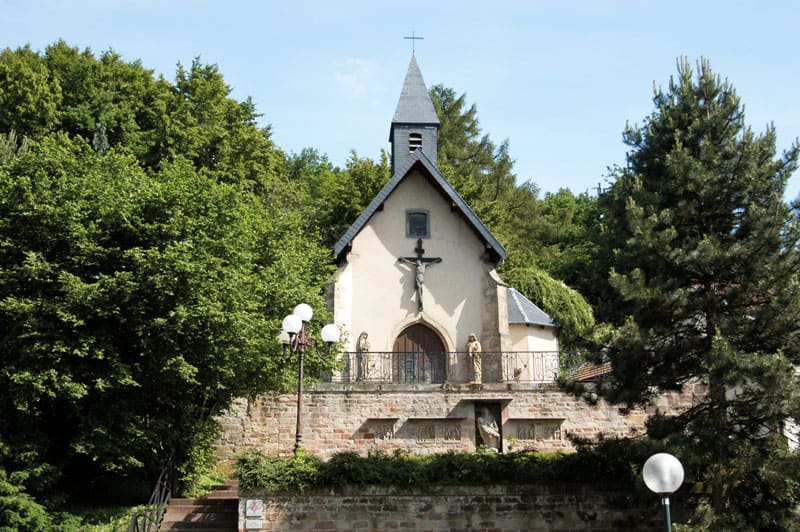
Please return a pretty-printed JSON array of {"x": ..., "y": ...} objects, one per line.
[
  {"x": 208, "y": 522},
  {"x": 229, "y": 484},
  {"x": 205, "y": 501},
  {"x": 204, "y": 521},
  {"x": 216, "y": 512},
  {"x": 222, "y": 494},
  {"x": 199, "y": 527},
  {"x": 229, "y": 528},
  {"x": 200, "y": 514}
]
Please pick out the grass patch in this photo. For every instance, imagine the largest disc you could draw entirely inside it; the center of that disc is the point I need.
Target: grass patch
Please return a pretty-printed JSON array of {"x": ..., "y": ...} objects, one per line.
[{"x": 95, "y": 519}]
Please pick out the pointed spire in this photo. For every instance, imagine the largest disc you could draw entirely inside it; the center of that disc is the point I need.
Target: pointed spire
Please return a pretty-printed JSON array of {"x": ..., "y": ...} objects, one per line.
[{"x": 415, "y": 105}]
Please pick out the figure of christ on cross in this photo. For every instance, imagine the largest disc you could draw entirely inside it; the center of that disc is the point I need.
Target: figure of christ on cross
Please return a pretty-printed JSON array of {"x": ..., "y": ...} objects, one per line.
[{"x": 420, "y": 263}]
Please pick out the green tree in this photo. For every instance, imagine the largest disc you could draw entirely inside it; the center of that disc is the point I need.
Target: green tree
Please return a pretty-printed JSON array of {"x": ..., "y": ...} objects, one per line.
[
  {"x": 29, "y": 97},
  {"x": 478, "y": 169},
  {"x": 219, "y": 134},
  {"x": 565, "y": 241},
  {"x": 123, "y": 105},
  {"x": 135, "y": 307},
  {"x": 707, "y": 266},
  {"x": 125, "y": 98},
  {"x": 546, "y": 240},
  {"x": 331, "y": 196}
]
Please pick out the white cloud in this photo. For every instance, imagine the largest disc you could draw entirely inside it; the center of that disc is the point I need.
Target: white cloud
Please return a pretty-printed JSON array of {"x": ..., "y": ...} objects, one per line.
[{"x": 354, "y": 76}]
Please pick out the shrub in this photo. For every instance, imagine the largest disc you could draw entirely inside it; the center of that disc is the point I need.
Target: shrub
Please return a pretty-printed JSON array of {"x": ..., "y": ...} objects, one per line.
[
  {"x": 258, "y": 471},
  {"x": 18, "y": 510},
  {"x": 611, "y": 463}
]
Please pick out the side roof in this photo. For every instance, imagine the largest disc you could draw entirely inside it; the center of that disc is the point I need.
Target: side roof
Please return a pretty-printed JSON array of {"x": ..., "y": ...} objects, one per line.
[
  {"x": 418, "y": 159},
  {"x": 591, "y": 371},
  {"x": 523, "y": 310}
]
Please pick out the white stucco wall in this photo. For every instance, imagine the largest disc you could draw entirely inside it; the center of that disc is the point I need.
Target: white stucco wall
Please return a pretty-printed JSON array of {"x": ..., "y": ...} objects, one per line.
[
  {"x": 536, "y": 353},
  {"x": 383, "y": 300},
  {"x": 532, "y": 337}
]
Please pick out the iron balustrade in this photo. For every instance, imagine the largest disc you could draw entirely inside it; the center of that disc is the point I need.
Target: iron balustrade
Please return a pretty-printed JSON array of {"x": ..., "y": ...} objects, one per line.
[{"x": 455, "y": 367}]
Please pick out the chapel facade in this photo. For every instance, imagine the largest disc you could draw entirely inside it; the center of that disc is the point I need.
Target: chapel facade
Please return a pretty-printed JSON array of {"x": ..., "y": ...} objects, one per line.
[{"x": 417, "y": 289}]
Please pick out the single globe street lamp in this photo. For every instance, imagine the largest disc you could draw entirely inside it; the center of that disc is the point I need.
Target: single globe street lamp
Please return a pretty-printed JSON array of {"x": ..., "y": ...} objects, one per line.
[
  {"x": 293, "y": 334},
  {"x": 663, "y": 475}
]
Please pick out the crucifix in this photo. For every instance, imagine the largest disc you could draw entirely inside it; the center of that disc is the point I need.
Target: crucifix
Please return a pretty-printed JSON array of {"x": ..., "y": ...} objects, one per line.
[
  {"x": 420, "y": 263},
  {"x": 413, "y": 38}
]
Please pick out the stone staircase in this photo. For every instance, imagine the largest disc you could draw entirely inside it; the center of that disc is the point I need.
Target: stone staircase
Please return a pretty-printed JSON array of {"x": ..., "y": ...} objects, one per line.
[{"x": 216, "y": 512}]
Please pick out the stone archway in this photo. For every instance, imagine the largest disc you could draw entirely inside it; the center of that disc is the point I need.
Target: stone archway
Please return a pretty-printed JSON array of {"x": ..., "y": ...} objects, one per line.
[{"x": 418, "y": 355}]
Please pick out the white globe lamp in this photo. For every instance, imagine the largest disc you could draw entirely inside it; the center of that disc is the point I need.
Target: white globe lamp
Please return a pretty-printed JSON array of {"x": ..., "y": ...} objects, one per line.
[
  {"x": 663, "y": 475},
  {"x": 292, "y": 324},
  {"x": 330, "y": 334},
  {"x": 304, "y": 312}
]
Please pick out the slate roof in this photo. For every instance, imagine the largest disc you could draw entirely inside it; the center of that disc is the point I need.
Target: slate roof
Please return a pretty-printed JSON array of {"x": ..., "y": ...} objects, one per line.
[
  {"x": 415, "y": 105},
  {"x": 418, "y": 159},
  {"x": 523, "y": 310}
]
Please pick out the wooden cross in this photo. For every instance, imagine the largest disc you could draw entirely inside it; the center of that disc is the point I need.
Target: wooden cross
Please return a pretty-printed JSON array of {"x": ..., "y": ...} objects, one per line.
[
  {"x": 420, "y": 262},
  {"x": 413, "y": 38}
]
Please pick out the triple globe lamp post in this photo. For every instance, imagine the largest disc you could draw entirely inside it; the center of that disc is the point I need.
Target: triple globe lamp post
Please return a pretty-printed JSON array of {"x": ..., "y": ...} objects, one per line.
[{"x": 293, "y": 334}]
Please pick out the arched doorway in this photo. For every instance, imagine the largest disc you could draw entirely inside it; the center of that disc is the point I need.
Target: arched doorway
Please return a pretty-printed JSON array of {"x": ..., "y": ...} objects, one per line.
[{"x": 418, "y": 356}]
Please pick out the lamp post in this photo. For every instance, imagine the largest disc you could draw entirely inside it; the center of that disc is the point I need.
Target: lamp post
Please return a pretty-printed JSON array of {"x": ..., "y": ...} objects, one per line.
[
  {"x": 293, "y": 334},
  {"x": 663, "y": 474}
]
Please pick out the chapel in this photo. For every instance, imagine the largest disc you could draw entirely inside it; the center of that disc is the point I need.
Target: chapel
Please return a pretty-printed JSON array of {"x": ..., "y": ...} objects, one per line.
[
  {"x": 417, "y": 279},
  {"x": 437, "y": 354}
]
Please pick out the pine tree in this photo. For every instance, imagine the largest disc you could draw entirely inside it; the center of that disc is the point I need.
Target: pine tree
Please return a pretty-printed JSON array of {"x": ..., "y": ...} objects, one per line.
[{"x": 706, "y": 262}]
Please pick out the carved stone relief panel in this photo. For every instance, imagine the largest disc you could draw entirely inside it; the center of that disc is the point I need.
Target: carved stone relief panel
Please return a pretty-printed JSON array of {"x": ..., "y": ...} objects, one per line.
[
  {"x": 426, "y": 432},
  {"x": 526, "y": 431},
  {"x": 548, "y": 431},
  {"x": 539, "y": 430},
  {"x": 452, "y": 431},
  {"x": 383, "y": 430}
]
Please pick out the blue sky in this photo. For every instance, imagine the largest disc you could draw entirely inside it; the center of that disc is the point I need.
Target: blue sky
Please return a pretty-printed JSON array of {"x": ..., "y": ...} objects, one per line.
[{"x": 559, "y": 80}]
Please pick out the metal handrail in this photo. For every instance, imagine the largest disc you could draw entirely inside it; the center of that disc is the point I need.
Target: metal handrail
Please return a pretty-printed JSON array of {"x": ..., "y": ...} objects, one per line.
[
  {"x": 455, "y": 367},
  {"x": 149, "y": 519}
]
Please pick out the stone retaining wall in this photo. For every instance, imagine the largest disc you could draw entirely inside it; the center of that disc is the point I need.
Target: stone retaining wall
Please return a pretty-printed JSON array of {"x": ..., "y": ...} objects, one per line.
[
  {"x": 477, "y": 508},
  {"x": 425, "y": 419}
]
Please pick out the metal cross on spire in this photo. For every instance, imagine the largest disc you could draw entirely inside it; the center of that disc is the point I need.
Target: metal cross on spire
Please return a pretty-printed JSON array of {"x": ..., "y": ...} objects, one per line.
[{"x": 413, "y": 38}]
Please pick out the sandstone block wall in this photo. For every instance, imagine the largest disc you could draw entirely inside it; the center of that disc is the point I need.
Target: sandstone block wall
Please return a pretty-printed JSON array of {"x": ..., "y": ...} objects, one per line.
[
  {"x": 425, "y": 419},
  {"x": 476, "y": 508}
]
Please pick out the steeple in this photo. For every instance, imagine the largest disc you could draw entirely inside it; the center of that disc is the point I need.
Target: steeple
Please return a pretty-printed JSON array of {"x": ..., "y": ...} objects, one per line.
[{"x": 415, "y": 122}]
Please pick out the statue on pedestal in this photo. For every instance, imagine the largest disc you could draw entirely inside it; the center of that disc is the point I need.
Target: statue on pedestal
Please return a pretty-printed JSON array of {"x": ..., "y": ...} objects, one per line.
[
  {"x": 474, "y": 355},
  {"x": 362, "y": 350}
]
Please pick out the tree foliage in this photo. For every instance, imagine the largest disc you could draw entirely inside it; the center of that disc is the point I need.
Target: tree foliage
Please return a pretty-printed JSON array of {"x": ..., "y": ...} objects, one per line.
[
  {"x": 146, "y": 259},
  {"x": 66, "y": 90},
  {"x": 566, "y": 241},
  {"x": 480, "y": 170},
  {"x": 544, "y": 238},
  {"x": 706, "y": 262},
  {"x": 334, "y": 197}
]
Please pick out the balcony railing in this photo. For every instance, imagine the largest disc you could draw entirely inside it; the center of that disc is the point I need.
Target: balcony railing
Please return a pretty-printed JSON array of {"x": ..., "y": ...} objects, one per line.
[{"x": 454, "y": 367}]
